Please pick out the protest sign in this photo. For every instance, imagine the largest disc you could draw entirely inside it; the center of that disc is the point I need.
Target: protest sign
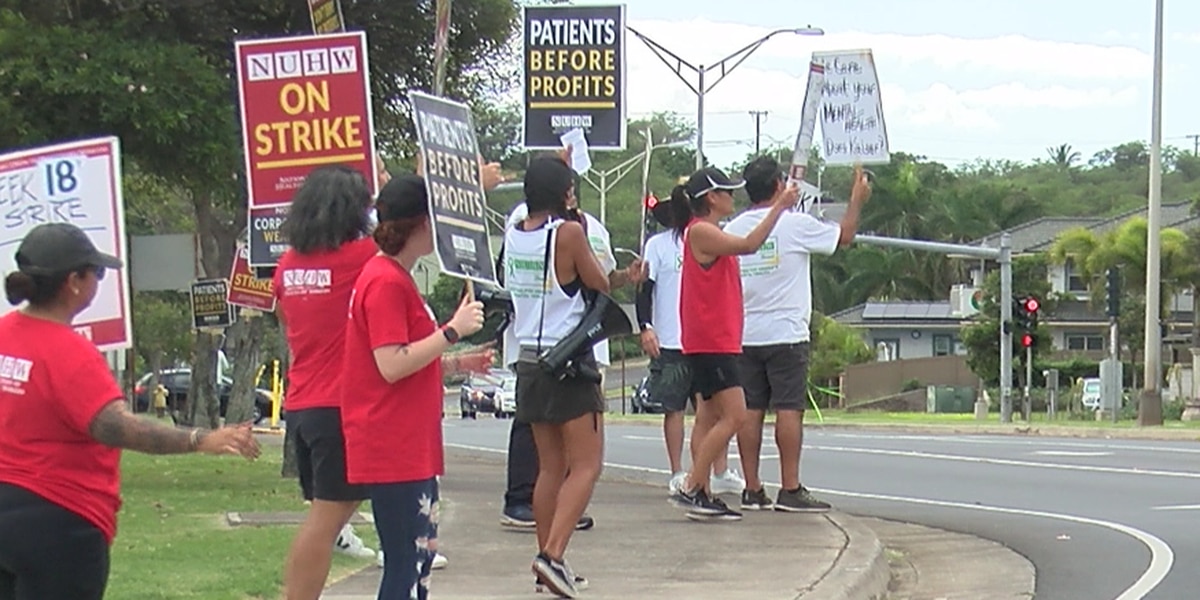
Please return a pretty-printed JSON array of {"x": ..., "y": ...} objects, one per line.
[
  {"x": 852, "y": 125},
  {"x": 247, "y": 290},
  {"x": 574, "y": 75},
  {"x": 77, "y": 183},
  {"x": 457, "y": 205},
  {"x": 326, "y": 16},
  {"x": 209, "y": 307},
  {"x": 266, "y": 240},
  {"x": 808, "y": 122},
  {"x": 305, "y": 102}
]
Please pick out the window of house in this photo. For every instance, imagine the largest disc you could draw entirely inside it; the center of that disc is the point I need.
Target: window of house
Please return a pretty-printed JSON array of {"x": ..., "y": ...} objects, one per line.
[
  {"x": 943, "y": 345},
  {"x": 1089, "y": 343},
  {"x": 1075, "y": 280},
  {"x": 887, "y": 349}
]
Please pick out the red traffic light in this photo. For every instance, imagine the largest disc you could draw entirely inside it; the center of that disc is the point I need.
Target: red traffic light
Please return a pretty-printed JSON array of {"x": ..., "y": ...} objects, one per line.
[
  {"x": 1027, "y": 340},
  {"x": 651, "y": 201},
  {"x": 1032, "y": 305}
]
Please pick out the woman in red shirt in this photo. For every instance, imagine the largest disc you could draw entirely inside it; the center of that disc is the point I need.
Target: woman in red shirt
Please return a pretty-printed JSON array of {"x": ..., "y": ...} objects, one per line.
[
  {"x": 710, "y": 319},
  {"x": 64, "y": 421},
  {"x": 392, "y": 403},
  {"x": 328, "y": 229}
]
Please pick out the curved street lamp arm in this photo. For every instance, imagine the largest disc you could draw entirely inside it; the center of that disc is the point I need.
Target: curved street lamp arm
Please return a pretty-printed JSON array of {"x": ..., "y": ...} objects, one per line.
[
  {"x": 672, "y": 60},
  {"x": 738, "y": 57}
]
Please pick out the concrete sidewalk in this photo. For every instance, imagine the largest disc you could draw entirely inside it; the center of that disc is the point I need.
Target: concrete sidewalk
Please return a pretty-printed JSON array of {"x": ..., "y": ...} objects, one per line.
[{"x": 641, "y": 547}]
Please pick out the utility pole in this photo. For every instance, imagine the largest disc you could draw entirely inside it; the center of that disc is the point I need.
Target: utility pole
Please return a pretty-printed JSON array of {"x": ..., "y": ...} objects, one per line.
[
  {"x": 1195, "y": 137},
  {"x": 758, "y": 115}
]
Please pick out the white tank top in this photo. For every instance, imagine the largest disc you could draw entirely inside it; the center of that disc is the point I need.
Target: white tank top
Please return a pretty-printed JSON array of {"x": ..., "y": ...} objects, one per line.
[{"x": 539, "y": 303}]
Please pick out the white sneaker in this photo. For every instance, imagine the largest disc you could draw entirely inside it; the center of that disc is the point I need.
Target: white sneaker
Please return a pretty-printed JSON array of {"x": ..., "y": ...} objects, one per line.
[
  {"x": 728, "y": 482},
  {"x": 349, "y": 543},
  {"x": 439, "y": 561},
  {"x": 676, "y": 482}
]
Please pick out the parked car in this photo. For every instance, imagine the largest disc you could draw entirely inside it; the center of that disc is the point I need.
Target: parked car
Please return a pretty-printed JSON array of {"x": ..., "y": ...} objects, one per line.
[
  {"x": 1091, "y": 393},
  {"x": 642, "y": 402},
  {"x": 178, "y": 383},
  {"x": 492, "y": 392}
]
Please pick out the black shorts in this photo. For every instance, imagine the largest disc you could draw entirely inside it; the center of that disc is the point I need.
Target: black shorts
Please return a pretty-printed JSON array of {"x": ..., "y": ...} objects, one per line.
[
  {"x": 543, "y": 398},
  {"x": 47, "y": 551},
  {"x": 712, "y": 373},
  {"x": 670, "y": 380},
  {"x": 775, "y": 377},
  {"x": 321, "y": 455}
]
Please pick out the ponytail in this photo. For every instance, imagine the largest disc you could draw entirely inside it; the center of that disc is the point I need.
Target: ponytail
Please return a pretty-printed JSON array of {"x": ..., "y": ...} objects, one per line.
[{"x": 681, "y": 210}]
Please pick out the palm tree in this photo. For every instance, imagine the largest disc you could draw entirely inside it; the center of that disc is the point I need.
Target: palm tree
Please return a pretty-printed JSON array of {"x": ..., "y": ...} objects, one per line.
[
  {"x": 1064, "y": 156},
  {"x": 1125, "y": 247}
]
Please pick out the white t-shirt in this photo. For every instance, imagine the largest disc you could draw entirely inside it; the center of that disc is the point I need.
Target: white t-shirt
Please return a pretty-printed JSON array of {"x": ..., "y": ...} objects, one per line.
[
  {"x": 776, "y": 280},
  {"x": 664, "y": 261},
  {"x": 601, "y": 244}
]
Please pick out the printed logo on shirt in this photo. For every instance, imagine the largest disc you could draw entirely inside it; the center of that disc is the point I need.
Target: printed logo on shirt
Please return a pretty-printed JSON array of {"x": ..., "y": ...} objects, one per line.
[
  {"x": 765, "y": 261},
  {"x": 14, "y": 372},
  {"x": 525, "y": 275},
  {"x": 307, "y": 281}
]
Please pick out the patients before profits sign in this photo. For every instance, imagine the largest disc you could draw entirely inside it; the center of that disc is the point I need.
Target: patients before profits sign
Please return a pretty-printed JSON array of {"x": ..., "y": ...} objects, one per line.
[
  {"x": 305, "y": 102},
  {"x": 457, "y": 204},
  {"x": 574, "y": 75}
]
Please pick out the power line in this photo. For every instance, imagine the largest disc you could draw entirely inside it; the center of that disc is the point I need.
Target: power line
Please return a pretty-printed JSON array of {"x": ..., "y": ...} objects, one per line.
[{"x": 1196, "y": 143}]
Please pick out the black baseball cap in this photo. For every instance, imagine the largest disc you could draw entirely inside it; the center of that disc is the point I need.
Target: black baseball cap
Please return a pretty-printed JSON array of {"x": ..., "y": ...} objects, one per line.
[
  {"x": 402, "y": 198},
  {"x": 708, "y": 179},
  {"x": 58, "y": 248}
]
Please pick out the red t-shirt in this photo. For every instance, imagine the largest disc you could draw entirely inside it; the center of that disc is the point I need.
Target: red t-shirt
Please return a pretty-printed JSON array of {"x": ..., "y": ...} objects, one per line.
[
  {"x": 710, "y": 304},
  {"x": 53, "y": 381},
  {"x": 393, "y": 431},
  {"x": 314, "y": 291}
]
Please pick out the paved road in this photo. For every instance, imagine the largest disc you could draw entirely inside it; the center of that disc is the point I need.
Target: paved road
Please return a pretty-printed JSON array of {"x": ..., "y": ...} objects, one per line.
[
  {"x": 1099, "y": 519},
  {"x": 614, "y": 382}
]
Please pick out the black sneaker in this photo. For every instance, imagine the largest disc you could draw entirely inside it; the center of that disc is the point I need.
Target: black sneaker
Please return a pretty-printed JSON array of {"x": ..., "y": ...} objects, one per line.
[
  {"x": 581, "y": 583},
  {"x": 756, "y": 500},
  {"x": 584, "y": 523},
  {"x": 726, "y": 514},
  {"x": 555, "y": 576},
  {"x": 520, "y": 516},
  {"x": 799, "y": 500},
  {"x": 696, "y": 502}
]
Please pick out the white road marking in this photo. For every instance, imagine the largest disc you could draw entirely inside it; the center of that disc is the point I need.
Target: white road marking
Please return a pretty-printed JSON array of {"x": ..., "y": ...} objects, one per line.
[
  {"x": 1071, "y": 453},
  {"x": 1003, "y": 440},
  {"x": 1178, "y": 507},
  {"x": 1007, "y": 462},
  {"x": 1162, "y": 558}
]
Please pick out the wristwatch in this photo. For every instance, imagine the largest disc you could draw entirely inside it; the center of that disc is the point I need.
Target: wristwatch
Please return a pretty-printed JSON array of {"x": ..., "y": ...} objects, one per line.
[
  {"x": 647, "y": 326},
  {"x": 451, "y": 334}
]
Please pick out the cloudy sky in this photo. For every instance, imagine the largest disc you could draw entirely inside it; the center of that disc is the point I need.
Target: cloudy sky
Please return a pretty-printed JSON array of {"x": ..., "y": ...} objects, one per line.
[{"x": 961, "y": 79}]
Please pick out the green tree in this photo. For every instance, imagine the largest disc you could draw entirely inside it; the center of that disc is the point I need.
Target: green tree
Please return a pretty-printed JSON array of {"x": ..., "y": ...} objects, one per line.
[{"x": 834, "y": 347}]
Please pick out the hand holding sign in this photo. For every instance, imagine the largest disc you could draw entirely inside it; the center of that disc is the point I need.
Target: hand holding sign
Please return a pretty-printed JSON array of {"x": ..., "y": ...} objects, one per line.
[
  {"x": 860, "y": 192},
  {"x": 491, "y": 175}
]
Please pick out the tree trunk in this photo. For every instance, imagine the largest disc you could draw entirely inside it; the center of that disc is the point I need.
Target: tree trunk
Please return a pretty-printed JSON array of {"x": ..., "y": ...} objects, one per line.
[
  {"x": 244, "y": 357},
  {"x": 203, "y": 407}
]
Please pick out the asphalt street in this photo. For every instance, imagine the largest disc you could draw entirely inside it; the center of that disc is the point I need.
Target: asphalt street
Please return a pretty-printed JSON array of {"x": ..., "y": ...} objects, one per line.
[{"x": 1099, "y": 519}]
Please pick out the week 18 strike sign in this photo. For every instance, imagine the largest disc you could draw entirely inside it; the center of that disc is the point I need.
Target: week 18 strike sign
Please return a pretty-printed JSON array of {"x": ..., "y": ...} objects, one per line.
[{"x": 305, "y": 102}]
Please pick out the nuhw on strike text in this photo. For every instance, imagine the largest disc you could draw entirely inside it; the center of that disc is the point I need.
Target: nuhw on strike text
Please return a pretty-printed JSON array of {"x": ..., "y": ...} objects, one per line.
[{"x": 310, "y": 97}]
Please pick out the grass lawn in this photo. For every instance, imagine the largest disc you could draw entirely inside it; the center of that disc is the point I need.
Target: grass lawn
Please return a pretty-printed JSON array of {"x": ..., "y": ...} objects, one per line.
[{"x": 173, "y": 540}]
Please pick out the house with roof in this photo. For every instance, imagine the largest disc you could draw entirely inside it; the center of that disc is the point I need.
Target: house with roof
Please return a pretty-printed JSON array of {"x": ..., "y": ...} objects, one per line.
[{"x": 913, "y": 329}]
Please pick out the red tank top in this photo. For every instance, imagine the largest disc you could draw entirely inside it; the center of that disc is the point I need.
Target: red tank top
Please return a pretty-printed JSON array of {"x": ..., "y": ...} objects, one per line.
[{"x": 710, "y": 304}]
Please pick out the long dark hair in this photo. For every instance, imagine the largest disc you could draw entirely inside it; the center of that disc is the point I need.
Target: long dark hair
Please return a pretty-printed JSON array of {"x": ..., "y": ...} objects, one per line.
[
  {"x": 547, "y": 181},
  {"x": 684, "y": 207},
  {"x": 329, "y": 210}
]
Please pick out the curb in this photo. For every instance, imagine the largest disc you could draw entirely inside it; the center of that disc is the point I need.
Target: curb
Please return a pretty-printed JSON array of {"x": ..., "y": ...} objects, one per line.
[
  {"x": 861, "y": 571},
  {"x": 1017, "y": 429}
]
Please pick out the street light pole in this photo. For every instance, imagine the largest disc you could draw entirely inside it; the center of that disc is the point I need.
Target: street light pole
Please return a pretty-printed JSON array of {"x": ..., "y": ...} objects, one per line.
[
  {"x": 1150, "y": 402},
  {"x": 618, "y": 173},
  {"x": 725, "y": 65}
]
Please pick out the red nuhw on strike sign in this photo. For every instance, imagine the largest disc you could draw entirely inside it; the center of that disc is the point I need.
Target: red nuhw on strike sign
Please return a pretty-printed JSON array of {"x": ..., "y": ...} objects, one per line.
[{"x": 305, "y": 102}]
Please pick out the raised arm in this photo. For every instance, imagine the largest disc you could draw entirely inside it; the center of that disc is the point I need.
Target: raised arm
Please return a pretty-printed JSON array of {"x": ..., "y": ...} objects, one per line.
[
  {"x": 709, "y": 242},
  {"x": 860, "y": 192}
]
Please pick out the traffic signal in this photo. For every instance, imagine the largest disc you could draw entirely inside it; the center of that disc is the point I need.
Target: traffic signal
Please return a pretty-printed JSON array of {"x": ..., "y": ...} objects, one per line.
[
  {"x": 1112, "y": 289},
  {"x": 1031, "y": 306},
  {"x": 1025, "y": 313},
  {"x": 1027, "y": 340}
]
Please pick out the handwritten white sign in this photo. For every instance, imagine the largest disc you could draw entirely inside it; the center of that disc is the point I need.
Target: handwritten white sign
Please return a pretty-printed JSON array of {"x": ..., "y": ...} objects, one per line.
[
  {"x": 852, "y": 124},
  {"x": 77, "y": 183}
]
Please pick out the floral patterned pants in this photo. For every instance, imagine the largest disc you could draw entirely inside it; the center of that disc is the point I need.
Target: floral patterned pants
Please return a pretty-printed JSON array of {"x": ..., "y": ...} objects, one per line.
[{"x": 406, "y": 518}]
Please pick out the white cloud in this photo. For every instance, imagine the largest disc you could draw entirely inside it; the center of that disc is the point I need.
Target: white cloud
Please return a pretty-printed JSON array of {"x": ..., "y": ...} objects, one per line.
[{"x": 1006, "y": 54}]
